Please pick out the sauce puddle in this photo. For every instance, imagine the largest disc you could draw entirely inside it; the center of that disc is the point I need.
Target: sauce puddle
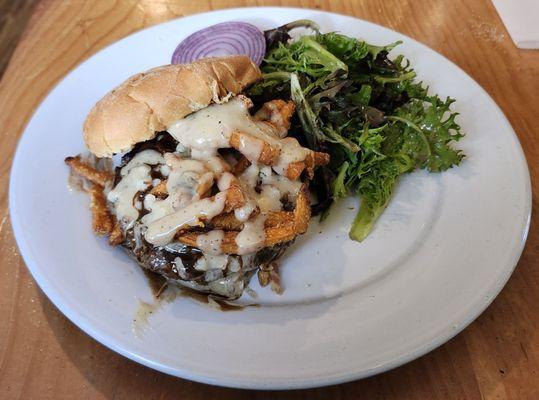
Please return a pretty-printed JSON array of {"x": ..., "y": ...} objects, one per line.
[{"x": 164, "y": 293}]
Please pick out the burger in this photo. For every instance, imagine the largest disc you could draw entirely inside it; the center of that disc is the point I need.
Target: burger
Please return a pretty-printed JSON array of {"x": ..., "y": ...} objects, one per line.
[{"x": 207, "y": 190}]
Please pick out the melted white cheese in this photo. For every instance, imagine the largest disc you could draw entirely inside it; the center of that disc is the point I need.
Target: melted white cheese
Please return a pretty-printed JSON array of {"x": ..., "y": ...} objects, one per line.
[
  {"x": 196, "y": 166},
  {"x": 208, "y": 130},
  {"x": 285, "y": 186},
  {"x": 149, "y": 200},
  {"x": 122, "y": 196},
  {"x": 135, "y": 178},
  {"x": 251, "y": 238},
  {"x": 250, "y": 147},
  {"x": 145, "y": 157},
  {"x": 235, "y": 264},
  {"x": 265, "y": 189},
  {"x": 269, "y": 199},
  {"x": 244, "y": 213},
  {"x": 165, "y": 170},
  {"x": 211, "y": 242},
  {"x": 186, "y": 176},
  {"x": 291, "y": 152},
  {"x": 217, "y": 165},
  {"x": 250, "y": 176},
  {"x": 211, "y": 262},
  {"x": 225, "y": 181},
  {"x": 162, "y": 231}
]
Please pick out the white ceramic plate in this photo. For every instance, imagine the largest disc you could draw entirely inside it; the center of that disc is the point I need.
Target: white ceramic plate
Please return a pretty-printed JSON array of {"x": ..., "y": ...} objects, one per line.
[{"x": 438, "y": 256}]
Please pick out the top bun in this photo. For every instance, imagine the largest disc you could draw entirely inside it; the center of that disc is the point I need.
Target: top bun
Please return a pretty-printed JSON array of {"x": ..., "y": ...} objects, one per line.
[{"x": 152, "y": 101}]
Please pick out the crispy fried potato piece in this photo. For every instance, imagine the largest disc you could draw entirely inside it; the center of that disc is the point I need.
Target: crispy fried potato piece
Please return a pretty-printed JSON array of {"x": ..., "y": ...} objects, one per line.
[
  {"x": 309, "y": 166},
  {"x": 235, "y": 198},
  {"x": 88, "y": 172},
  {"x": 116, "y": 236},
  {"x": 295, "y": 169},
  {"x": 160, "y": 190},
  {"x": 302, "y": 212},
  {"x": 205, "y": 183},
  {"x": 278, "y": 113},
  {"x": 313, "y": 160},
  {"x": 269, "y": 154},
  {"x": 102, "y": 221},
  {"x": 228, "y": 221},
  {"x": 273, "y": 234},
  {"x": 275, "y": 281},
  {"x": 263, "y": 277},
  {"x": 269, "y": 274},
  {"x": 320, "y": 158},
  {"x": 242, "y": 164},
  {"x": 243, "y": 142}
]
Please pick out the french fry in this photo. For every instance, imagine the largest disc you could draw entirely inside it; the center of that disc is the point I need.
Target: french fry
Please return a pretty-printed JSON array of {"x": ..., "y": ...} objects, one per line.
[
  {"x": 235, "y": 198},
  {"x": 116, "y": 236},
  {"x": 278, "y": 113},
  {"x": 263, "y": 277},
  {"x": 88, "y": 172},
  {"x": 160, "y": 190},
  {"x": 294, "y": 170},
  {"x": 273, "y": 234},
  {"x": 302, "y": 211},
  {"x": 228, "y": 221},
  {"x": 279, "y": 218},
  {"x": 102, "y": 222},
  {"x": 242, "y": 142},
  {"x": 320, "y": 158},
  {"x": 205, "y": 184},
  {"x": 242, "y": 164},
  {"x": 275, "y": 279}
]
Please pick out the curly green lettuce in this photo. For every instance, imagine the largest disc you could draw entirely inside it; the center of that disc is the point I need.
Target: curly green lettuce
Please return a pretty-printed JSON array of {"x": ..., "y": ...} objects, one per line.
[{"x": 365, "y": 109}]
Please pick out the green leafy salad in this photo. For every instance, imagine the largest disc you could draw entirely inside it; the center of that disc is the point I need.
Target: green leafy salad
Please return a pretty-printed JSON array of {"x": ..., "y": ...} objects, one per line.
[{"x": 366, "y": 109}]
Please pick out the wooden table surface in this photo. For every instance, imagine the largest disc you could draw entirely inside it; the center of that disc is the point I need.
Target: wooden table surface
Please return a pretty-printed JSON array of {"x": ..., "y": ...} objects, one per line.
[{"x": 44, "y": 356}]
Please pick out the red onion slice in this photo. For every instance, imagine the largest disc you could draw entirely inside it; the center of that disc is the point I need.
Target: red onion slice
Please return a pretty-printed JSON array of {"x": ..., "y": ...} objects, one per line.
[{"x": 224, "y": 39}]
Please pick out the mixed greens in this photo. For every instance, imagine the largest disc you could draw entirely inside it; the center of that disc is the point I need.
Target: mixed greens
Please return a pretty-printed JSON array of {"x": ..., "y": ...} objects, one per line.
[{"x": 366, "y": 110}]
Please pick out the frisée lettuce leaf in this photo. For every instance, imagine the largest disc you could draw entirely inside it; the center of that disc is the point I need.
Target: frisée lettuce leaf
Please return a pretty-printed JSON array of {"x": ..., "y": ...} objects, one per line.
[{"x": 365, "y": 109}]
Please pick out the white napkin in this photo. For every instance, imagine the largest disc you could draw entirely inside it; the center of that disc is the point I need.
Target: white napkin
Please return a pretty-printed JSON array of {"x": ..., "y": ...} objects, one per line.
[{"x": 521, "y": 18}]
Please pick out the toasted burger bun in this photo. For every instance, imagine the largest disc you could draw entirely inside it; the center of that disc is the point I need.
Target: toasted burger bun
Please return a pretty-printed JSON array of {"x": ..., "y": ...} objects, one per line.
[{"x": 152, "y": 101}]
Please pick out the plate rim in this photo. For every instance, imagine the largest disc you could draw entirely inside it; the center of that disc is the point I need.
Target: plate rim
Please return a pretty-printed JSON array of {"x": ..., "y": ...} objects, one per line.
[{"x": 301, "y": 383}]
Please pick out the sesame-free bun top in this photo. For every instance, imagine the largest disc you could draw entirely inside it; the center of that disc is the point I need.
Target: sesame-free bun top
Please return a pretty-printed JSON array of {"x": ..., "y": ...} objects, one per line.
[{"x": 152, "y": 101}]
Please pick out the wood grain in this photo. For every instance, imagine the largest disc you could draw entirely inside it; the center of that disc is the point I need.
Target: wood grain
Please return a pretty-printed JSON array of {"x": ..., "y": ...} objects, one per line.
[
  {"x": 13, "y": 18},
  {"x": 42, "y": 355}
]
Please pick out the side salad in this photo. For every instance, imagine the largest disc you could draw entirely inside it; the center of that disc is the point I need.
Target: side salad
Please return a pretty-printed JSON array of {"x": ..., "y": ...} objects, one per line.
[{"x": 367, "y": 110}]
